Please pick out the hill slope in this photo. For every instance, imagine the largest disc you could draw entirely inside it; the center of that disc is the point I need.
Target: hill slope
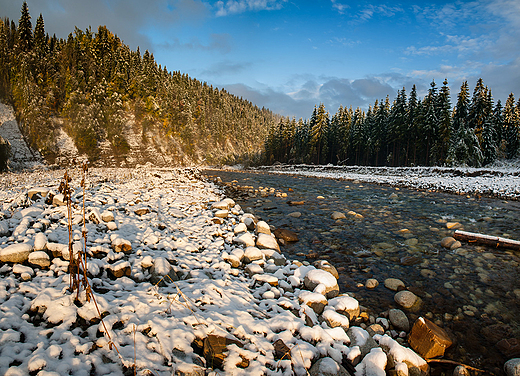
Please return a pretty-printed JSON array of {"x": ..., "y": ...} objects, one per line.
[{"x": 118, "y": 106}]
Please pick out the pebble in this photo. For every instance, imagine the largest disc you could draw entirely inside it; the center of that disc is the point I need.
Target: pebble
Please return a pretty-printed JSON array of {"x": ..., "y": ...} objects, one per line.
[
  {"x": 405, "y": 298},
  {"x": 394, "y": 284},
  {"x": 295, "y": 214},
  {"x": 399, "y": 319},
  {"x": 338, "y": 215},
  {"x": 371, "y": 283}
]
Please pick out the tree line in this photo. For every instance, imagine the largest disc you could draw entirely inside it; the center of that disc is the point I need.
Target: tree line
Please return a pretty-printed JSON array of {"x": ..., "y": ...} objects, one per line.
[
  {"x": 91, "y": 84},
  {"x": 407, "y": 132}
]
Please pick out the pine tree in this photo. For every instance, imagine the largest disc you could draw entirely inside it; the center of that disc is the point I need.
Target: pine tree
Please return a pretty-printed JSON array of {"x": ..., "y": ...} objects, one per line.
[
  {"x": 444, "y": 130},
  {"x": 511, "y": 127},
  {"x": 318, "y": 131},
  {"x": 25, "y": 36}
]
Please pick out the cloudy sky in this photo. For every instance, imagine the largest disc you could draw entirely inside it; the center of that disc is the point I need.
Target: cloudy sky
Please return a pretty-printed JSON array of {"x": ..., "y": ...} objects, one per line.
[{"x": 290, "y": 55}]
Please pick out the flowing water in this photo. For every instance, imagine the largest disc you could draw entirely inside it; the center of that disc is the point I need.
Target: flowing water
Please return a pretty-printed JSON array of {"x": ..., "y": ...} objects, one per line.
[{"x": 473, "y": 292}]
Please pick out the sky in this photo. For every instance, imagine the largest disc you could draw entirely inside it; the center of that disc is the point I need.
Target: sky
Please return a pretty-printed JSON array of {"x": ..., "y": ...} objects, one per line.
[{"x": 289, "y": 56}]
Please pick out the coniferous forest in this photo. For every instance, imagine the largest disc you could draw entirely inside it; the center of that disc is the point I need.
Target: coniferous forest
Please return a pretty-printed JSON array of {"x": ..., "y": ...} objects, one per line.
[
  {"x": 407, "y": 132},
  {"x": 92, "y": 86}
]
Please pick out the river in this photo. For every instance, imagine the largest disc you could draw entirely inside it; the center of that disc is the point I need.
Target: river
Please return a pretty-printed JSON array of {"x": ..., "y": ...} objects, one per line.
[{"x": 473, "y": 292}]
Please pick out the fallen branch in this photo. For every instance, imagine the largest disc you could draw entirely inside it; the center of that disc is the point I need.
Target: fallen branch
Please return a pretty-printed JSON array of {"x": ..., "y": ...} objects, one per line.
[
  {"x": 492, "y": 241},
  {"x": 454, "y": 363}
]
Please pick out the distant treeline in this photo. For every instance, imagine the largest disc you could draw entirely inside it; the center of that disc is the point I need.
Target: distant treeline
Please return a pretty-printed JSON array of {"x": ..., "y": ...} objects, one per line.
[
  {"x": 94, "y": 84},
  {"x": 406, "y": 132}
]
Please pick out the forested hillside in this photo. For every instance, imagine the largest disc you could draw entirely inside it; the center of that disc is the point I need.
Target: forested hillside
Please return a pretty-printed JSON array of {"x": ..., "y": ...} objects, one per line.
[
  {"x": 118, "y": 105},
  {"x": 407, "y": 132}
]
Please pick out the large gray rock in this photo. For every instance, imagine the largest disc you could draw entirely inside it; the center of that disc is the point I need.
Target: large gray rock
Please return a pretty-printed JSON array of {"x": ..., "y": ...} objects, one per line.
[
  {"x": 406, "y": 299},
  {"x": 512, "y": 367},
  {"x": 399, "y": 320}
]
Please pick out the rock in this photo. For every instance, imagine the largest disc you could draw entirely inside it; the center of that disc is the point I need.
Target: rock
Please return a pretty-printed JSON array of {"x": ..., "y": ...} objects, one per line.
[
  {"x": 428, "y": 339},
  {"x": 447, "y": 242},
  {"x": 112, "y": 226},
  {"x": 40, "y": 241},
  {"x": 232, "y": 260},
  {"x": 266, "y": 278},
  {"x": 338, "y": 215},
  {"x": 21, "y": 269},
  {"x": 346, "y": 305},
  {"x": 285, "y": 234},
  {"x": 456, "y": 245},
  {"x": 295, "y": 215},
  {"x": 245, "y": 239},
  {"x": 37, "y": 191},
  {"x": 4, "y": 228},
  {"x": 316, "y": 277},
  {"x": 375, "y": 329},
  {"x": 314, "y": 300},
  {"x": 121, "y": 245},
  {"x": 410, "y": 260},
  {"x": 107, "y": 216},
  {"x": 325, "y": 265},
  {"x": 94, "y": 216},
  {"x": 411, "y": 242},
  {"x": 360, "y": 337},
  {"x": 241, "y": 227},
  {"x": 147, "y": 262},
  {"x": 16, "y": 253},
  {"x": 461, "y": 371},
  {"x": 512, "y": 367},
  {"x": 406, "y": 299},
  {"x": 335, "y": 319},
  {"x": 496, "y": 332},
  {"x": 58, "y": 200},
  {"x": 371, "y": 283},
  {"x": 120, "y": 269},
  {"x": 221, "y": 213},
  {"x": 509, "y": 347},
  {"x": 267, "y": 241},
  {"x": 215, "y": 348},
  {"x": 263, "y": 228},
  {"x": 162, "y": 271},
  {"x": 57, "y": 249},
  {"x": 453, "y": 225},
  {"x": 221, "y": 205},
  {"x": 142, "y": 211},
  {"x": 327, "y": 367},
  {"x": 253, "y": 269},
  {"x": 394, "y": 284},
  {"x": 281, "y": 350},
  {"x": 399, "y": 320},
  {"x": 39, "y": 258}
]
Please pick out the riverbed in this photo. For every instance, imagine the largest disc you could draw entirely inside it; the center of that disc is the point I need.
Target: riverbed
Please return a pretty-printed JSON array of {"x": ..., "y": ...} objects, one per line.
[{"x": 473, "y": 291}]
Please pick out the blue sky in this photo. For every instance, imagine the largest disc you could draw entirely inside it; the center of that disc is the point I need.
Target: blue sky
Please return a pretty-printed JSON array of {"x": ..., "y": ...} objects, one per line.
[{"x": 290, "y": 55}]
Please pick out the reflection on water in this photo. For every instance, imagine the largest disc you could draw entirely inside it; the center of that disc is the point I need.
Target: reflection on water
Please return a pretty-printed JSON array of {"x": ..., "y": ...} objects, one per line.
[{"x": 474, "y": 291}]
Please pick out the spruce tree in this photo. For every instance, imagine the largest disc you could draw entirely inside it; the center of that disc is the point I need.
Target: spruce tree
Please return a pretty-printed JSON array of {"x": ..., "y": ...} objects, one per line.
[
  {"x": 511, "y": 128},
  {"x": 25, "y": 35}
]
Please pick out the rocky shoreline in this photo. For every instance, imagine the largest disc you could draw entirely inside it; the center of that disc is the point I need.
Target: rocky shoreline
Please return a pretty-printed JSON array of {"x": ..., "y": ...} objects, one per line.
[{"x": 187, "y": 283}]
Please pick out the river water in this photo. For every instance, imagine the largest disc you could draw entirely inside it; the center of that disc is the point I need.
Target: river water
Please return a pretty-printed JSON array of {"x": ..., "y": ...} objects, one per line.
[{"x": 472, "y": 292}]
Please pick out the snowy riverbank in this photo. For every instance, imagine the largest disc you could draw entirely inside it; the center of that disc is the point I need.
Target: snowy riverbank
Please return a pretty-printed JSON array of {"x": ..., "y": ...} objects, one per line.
[
  {"x": 225, "y": 286},
  {"x": 501, "y": 180}
]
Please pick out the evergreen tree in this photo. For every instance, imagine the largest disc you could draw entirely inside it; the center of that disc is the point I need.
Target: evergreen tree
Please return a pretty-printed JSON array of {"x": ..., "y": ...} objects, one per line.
[
  {"x": 444, "y": 129},
  {"x": 25, "y": 35},
  {"x": 511, "y": 128}
]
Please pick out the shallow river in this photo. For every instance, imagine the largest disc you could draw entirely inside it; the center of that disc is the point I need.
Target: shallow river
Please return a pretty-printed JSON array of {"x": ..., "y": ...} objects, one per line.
[{"x": 473, "y": 292}]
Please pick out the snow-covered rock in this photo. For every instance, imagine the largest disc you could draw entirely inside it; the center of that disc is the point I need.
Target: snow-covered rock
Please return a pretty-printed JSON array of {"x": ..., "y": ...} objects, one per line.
[{"x": 16, "y": 253}]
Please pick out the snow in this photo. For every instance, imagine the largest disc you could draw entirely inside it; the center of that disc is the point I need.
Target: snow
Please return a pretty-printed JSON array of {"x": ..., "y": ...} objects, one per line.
[
  {"x": 206, "y": 295},
  {"x": 499, "y": 180}
]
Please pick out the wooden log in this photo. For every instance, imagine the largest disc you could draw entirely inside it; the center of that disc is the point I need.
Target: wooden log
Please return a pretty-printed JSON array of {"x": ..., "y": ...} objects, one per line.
[{"x": 492, "y": 241}]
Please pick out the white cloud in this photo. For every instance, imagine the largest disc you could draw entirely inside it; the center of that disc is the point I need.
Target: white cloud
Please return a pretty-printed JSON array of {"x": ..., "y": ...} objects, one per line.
[
  {"x": 225, "y": 8},
  {"x": 341, "y": 8}
]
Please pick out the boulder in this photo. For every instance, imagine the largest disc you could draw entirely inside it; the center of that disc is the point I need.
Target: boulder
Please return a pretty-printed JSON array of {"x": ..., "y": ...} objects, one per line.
[
  {"x": 346, "y": 305},
  {"x": 281, "y": 350},
  {"x": 510, "y": 347},
  {"x": 16, "y": 253},
  {"x": 120, "y": 269},
  {"x": 4, "y": 228},
  {"x": 406, "y": 299},
  {"x": 399, "y": 320},
  {"x": 142, "y": 211},
  {"x": 252, "y": 254},
  {"x": 263, "y": 228},
  {"x": 239, "y": 228},
  {"x": 394, "y": 284},
  {"x": 107, "y": 216},
  {"x": 371, "y": 283},
  {"x": 314, "y": 300},
  {"x": 335, "y": 319},
  {"x": 40, "y": 242},
  {"x": 253, "y": 269},
  {"x": 162, "y": 272},
  {"x": 512, "y": 367},
  {"x": 121, "y": 245},
  {"x": 39, "y": 258},
  {"x": 428, "y": 339},
  {"x": 285, "y": 234},
  {"x": 267, "y": 241},
  {"x": 327, "y": 266},
  {"x": 245, "y": 239},
  {"x": 315, "y": 277},
  {"x": 327, "y": 367},
  {"x": 447, "y": 242},
  {"x": 220, "y": 205},
  {"x": 360, "y": 337}
]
